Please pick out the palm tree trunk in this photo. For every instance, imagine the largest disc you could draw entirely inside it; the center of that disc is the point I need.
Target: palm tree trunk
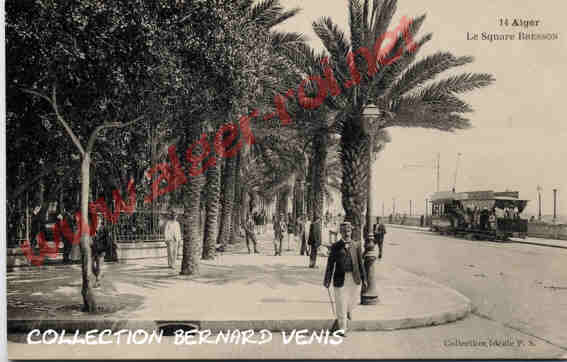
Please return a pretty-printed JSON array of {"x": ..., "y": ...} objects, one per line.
[
  {"x": 227, "y": 201},
  {"x": 245, "y": 205},
  {"x": 211, "y": 219},
  {"x": 235, "y": 224},
  {"x": 192, "y": 237},
  {"x": 355, "y": 170},
  {"x": 318, "y": 173}
]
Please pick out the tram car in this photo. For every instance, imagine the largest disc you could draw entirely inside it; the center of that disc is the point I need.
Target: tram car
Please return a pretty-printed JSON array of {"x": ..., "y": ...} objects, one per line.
[{"x": 479, "y": 215}]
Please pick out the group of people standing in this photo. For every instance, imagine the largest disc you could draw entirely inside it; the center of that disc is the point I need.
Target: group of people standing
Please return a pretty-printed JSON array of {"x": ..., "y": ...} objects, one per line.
[{"x": 345, "y": 267}]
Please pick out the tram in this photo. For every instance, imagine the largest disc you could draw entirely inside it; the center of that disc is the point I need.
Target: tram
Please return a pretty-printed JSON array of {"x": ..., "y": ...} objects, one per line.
[{"x": 480, "y": 215}]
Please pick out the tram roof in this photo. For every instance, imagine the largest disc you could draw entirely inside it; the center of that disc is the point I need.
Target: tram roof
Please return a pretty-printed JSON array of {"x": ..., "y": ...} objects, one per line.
[{"x": 475, "y": 195}]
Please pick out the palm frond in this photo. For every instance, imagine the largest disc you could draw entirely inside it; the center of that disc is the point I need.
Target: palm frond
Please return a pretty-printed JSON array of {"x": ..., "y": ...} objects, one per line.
[
  {"x": 281, "y": 39},
  {"x": 283, "y": 17},
  {"x": 435, "y": 110},
  {"x": 270, "y": 13},
  {"x": 356, "y": 24},
  {"x": 459, "y": 84},
  {"x": 333, "y": 38},
  {"x": 365, "y": 20},
  {"x": 424, "y": 70},
  {"x": 389, "y": 73},
  {"x": 384, "y": 14},
  {"x": 376, "y": 5}
]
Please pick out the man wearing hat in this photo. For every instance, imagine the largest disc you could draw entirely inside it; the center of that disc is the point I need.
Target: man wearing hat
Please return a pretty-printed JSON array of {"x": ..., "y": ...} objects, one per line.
[
  {"x": 379, "y": 232},
  {"x": 346, "y": 268},
  {"x": 172, "y": 238}
]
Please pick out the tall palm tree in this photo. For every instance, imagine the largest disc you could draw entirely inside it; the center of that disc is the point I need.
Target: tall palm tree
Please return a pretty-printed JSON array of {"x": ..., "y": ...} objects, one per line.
[
  {"x": 369, "y": 70},
  {"x": 212, "y": 195},
  {"x": 267, "y": 14}
]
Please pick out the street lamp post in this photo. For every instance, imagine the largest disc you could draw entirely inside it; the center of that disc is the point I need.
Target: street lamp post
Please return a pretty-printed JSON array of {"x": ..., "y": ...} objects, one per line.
[{"x": 369, "y": 295}]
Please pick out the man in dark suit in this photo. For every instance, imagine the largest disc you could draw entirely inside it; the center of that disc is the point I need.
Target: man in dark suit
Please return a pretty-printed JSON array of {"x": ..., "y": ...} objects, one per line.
[
  {"x": 314, "y": 241},
  {"x": 346, "y": 268},
  {"x": 379, "y": 232},
  {"x": 250, "y": 236}
]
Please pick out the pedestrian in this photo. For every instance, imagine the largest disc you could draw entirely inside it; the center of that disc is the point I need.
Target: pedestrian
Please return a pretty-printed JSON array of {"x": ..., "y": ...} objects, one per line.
[
  {"x": 99, "y": 247},
  {"x": 280, "y": 233},
  {"x": 492, "y": 220},
  {"x": 67, "y": 244},
  {"x": 346, "y": 268},
  {"x": 250, "y": 236},
  {"x": 314, "y": 240},
  {"x": 302, "y": 237},
  {"x": 37, "y": 225},
  {"x": 276, "y": 227},
  {"x": 379, "y": 232},
  {"x": 172, "y": 238}
]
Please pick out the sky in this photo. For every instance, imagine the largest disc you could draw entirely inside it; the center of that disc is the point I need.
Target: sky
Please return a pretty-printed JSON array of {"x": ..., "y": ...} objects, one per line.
[{"x": 518, "y": 137}]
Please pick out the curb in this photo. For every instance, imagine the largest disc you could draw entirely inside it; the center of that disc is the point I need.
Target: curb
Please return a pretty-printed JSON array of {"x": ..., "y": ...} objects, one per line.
[
  {"x": 513, "y": 241},
  {"x": 537, "y": 244},
  {"x": 414, "y": 228},
  {"x": 442, "y": 317},
  {"x": 169, "y": 326}
]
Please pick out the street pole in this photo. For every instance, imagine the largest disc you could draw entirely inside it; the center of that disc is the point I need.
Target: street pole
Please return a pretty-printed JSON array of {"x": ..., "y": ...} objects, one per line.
[
  {"x": 438, "y": 163},
  {"x": 369, "y": 295},
  {"x": 539, "y": 202},
  {"x": 382, "y": 208},
  {"x": 554, "y": 204},
  {"x": 456, "y": 170}
]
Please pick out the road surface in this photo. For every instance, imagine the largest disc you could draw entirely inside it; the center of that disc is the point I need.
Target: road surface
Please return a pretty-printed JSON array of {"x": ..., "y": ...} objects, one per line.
[{"x": 520, "y": 286}]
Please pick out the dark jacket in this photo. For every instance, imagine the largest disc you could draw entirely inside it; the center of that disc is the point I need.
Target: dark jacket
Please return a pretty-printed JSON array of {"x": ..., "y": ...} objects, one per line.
[
  {"x": 379, "y": 231},
  {"x": 336, "y": 264},
  {"x": 315, "y": 234},
  {"x": 101, "y": 242}
]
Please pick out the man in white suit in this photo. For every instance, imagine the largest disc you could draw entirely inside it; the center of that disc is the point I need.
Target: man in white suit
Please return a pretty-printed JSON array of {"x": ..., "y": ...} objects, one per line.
[{"x": 172, "y": 238}]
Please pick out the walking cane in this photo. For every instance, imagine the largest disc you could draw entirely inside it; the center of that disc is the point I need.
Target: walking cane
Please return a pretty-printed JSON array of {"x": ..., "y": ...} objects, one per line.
[{"x": 331, "y": 301}]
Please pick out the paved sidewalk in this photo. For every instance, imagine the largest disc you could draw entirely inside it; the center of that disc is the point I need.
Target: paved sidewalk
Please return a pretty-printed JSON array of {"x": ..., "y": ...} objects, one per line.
[{"x": 237, "y": 290}]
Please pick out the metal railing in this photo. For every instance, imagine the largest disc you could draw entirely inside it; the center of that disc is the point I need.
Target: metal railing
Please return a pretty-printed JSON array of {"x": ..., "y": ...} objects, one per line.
[{"x": 140, "y": 226}]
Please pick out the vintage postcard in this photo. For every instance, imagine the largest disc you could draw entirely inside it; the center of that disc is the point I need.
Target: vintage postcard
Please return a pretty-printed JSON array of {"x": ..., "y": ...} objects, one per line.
[{"x": 322, "y": 179}]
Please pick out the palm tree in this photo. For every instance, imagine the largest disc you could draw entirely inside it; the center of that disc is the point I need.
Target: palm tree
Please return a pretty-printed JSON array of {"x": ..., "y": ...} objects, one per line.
[
  {"x": 368, "y": 72},
  {"x": 266, "y": 14},
  {"x": 212, "y": 195}
]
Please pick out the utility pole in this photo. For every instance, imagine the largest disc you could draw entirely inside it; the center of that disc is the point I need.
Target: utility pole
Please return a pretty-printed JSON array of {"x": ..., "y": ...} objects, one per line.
[
  {"x": 539, "y": 202},
  {"x": 382, "y": 208},
  {"x": 554, "y": 204},
  {"x": 456, "y": 170},
  {"x": 410, "y": 208},
  {"x": 438, "y": 162}
]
